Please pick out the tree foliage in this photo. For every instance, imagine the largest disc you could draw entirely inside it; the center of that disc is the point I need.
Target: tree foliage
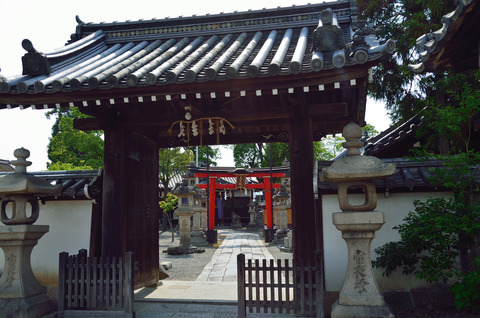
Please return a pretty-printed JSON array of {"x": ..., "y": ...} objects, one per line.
[
  {"x": 70, "y": 148},
  {"x": 168, "y": 206},
  {"x": 439, "y": 240},
  {"x": 213, "y": 155},
  {"x": 403, "y": 21},
  {"x": 172, "y": 162},
  {"x": 258, "y": 155}
]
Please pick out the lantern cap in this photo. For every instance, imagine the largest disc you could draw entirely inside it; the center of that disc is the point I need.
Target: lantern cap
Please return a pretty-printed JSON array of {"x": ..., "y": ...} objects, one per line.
[
  {"x": 20, "y": 182},
  {"x": 356, "y": 166}
]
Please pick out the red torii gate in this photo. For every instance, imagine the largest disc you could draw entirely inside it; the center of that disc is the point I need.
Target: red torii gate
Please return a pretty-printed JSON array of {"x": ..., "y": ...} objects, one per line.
[{"x": 266, "y": 186}]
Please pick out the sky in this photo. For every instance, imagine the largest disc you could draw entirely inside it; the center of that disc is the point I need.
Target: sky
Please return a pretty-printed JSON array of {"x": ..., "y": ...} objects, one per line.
[{"x": 49, "y": 24}]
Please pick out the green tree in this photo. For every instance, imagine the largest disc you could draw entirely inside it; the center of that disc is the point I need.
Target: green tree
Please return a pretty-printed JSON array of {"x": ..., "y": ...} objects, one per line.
[
  {"x": 168, "y": 206},
  {"x": 213, "y": 154},
  {"x": 70, "y": 148},
  {"x": 403, "y": 21},
  {"x": 258, "y": 155},
  {"x": 172, "y": 162},
  {"x": 442, "y": 231}
]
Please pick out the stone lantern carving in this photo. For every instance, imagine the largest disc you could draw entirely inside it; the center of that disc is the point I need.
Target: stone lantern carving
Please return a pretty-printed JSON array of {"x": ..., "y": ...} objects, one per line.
[
  {"x": 186, "y": 208},
  {"x": 21, "y": 295},
  {"x": 360, "y": 295}
]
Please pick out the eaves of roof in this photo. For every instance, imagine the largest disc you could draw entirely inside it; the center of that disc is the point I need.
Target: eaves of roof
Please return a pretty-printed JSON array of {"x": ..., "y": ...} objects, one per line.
[
  {"x": 455, "y": 44},
  {"x": 410, "y": 176},
  {"x": 76, "y": 184},
  {"x": 239, "y": 45},
  {"x": 389, "y": 140}
]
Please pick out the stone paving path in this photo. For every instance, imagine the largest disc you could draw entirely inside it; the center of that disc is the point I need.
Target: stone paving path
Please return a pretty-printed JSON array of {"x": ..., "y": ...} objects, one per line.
[
  {"x": 214, "y": 293},
  {"x": 223, "y": 267}
]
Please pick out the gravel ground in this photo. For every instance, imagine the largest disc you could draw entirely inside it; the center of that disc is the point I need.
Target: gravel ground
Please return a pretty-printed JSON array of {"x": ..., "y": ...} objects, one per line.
[{"x": 188, "y": 267}]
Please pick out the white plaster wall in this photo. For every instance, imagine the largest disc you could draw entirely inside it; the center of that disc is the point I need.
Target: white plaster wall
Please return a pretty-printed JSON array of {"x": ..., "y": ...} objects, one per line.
[
  {"x": 69, "y": 231},
  {"x": 396, "y": 208}
]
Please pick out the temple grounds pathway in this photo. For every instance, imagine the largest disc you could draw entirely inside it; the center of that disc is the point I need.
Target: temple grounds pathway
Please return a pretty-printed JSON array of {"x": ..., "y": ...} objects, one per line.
[{"x": 214, "y": 292}]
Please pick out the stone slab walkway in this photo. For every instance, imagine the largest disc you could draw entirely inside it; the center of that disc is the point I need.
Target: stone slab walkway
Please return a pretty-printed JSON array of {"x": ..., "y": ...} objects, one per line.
[{"x": 214, "y": 293}]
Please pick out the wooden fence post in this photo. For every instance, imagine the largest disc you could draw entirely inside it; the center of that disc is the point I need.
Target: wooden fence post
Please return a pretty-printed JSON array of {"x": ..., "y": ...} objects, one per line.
[
  {"x": 61, "y": 280},
  {"x": 129, "y": 303},
  {"x": 242, "y": 313},
  {"x": 319, "y": 306}
]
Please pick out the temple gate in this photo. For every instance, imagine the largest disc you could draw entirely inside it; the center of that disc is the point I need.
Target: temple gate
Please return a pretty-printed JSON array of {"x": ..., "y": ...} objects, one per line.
[{"x": 291, "y": 75}]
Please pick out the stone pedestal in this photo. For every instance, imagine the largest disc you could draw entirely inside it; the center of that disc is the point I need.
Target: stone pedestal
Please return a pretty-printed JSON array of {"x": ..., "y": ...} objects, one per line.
[
  {"x": 21, "y": 295},
  {"x": 360, "y": 295},
  {"x": 197, "y": 236},
  {"x": 184, "y": 222},
  {"x": 196, "y": 231},
  {"x": 203, "y": 220}
]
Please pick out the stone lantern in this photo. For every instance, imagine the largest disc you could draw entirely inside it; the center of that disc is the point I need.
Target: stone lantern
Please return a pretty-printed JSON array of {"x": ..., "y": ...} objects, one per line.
[
  {"x": 21, "y": 295},
  {"x": 280, "y": 206},
  {"x": 360, "y": 295},
  {"x": 185, "y": 209}
]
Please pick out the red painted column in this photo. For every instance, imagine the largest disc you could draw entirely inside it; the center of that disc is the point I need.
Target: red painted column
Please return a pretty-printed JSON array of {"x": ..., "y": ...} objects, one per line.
[
  {"x": 268, "y": 201},
  {"x": 211, "y": 203}
]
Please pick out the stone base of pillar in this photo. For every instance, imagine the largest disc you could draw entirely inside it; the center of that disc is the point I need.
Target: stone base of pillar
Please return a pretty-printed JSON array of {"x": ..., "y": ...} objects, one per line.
[
  {"x": 269, "y": 235},
  {"x": 212, "y": 236},
  {"x": 30, "y": 307},
  {"x": 346, "y": 311},
  {"x": 196, "y": 234}
]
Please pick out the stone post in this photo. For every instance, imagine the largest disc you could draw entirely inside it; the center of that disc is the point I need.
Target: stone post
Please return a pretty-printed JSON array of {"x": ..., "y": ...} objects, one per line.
[
  {"x": 360, "y": 295},
  {"x": 21, "y": 295},
  {"x": 251, "y": 213},
  {"x": 280, "y": 201}
]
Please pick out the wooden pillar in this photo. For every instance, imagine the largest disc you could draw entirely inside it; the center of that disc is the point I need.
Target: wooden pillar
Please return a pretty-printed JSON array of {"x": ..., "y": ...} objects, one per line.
[
  {"x": 211, "y": 203},
  {"x": 130, "y": 202},
  {"x": 114, "y": 234},
  {"x": 301, "y": 174},
  {"x": 268, "y": 201}
]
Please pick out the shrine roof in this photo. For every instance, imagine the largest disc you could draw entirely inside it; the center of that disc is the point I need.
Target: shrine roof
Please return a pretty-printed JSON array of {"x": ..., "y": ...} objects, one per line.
[
  {"x": 5, "y": 166},
  {"x": 220, "y": 47},
  {"x": 77, "y": 184},
  {"x": 410, "y": 176},
  {"x": 455, "y": 45},
  {"x": 233, "y": 170},
  {"x": 395, "y": 141}
]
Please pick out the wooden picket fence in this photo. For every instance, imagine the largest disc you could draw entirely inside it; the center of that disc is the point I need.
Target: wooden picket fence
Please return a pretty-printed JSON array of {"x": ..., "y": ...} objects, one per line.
[
  {"x": 87, "y": 285},
  {"x": 273, "y": 288}
]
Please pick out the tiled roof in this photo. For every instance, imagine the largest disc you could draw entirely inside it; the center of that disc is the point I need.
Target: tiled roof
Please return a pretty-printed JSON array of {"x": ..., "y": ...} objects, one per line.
[
  {"x": 238, "y": 45},
  {"x": 455, "y": 45},
  {"x": 409, "y": 176},
  {"x": 77, "y": 184},
  {"x": 389, "y": 144},
  {"x": 5, "y": 166}
]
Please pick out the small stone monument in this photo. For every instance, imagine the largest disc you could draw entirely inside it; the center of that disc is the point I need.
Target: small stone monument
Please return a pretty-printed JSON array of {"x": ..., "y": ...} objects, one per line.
[
  {"x": 236, "y": 224},
  {"x": 21, "y": 295},
  {"x": 280, "y": 206},
  {"x": 360, "y": 295},
  {"x": 197, "y": 236},
  {"x": 251, "y": 212}
]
